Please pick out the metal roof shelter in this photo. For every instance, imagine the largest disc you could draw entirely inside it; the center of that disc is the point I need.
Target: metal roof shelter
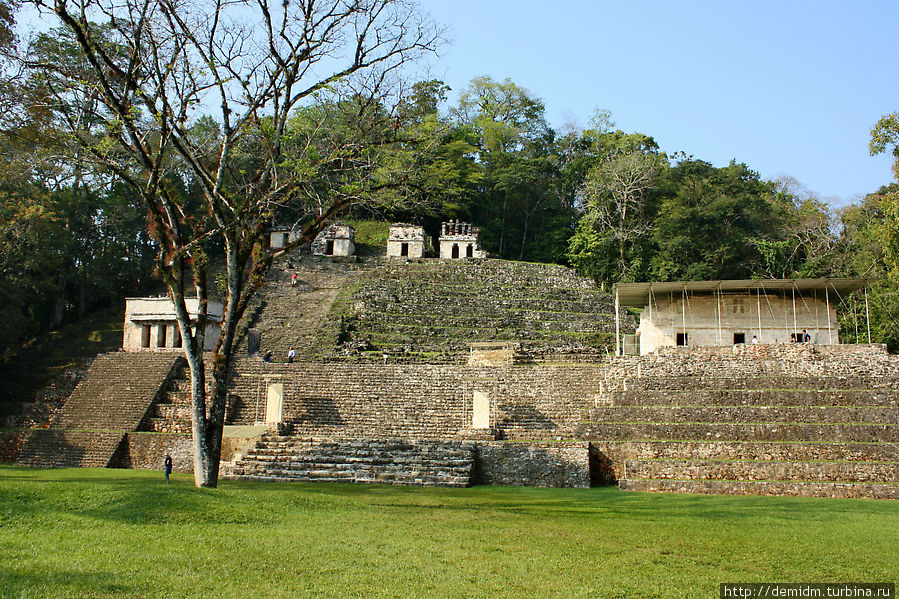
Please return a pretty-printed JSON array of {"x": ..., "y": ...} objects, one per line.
[{"x": 641, "y": 294}]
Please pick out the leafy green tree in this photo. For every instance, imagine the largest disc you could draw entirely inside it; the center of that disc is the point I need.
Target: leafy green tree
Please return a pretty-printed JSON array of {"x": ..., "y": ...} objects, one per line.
[{"x": 708, "y": 222}]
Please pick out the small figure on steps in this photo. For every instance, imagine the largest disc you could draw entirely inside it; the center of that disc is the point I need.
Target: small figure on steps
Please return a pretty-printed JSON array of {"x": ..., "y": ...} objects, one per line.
[
  {"x": 269, "y": 356},
  {"x": 293, "y": 280},
  {"x": 167, "y": 465},
  {"x": 291, "y": 355}
]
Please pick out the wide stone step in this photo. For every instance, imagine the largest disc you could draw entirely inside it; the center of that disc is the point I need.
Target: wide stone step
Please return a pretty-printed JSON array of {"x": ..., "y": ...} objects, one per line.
[
  {"x": 747, "y": 380},
  {"x": 752, "y": 397},
  {"x": 618, "y": 451},
  {"x": 391, "y": 462},
  {"x": 729, "y": 431},
  {"x": 729, "y": 487},
  {"x": 773, "y": 413},
  {"x": 749, "y": 470}
]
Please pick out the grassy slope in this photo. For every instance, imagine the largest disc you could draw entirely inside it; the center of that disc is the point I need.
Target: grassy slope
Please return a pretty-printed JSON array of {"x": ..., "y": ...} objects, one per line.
[
  {"x": 102, "y": 533},
  {"x": 371, "y": 236}
]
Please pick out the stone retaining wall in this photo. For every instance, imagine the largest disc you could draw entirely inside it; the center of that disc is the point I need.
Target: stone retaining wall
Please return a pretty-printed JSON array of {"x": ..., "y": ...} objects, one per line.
[
  {"x": 533, "y": 464},
  {"x": 418, "y": 401},
  {"x": 731, "y": 487},
  {"x": 147, "y": 451},
  {"x": 746, "y": 360}
]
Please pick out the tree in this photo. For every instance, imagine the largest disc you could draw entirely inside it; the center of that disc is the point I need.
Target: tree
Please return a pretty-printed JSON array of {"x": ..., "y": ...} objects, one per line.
[
  {"x": 709, "y": 220},
  {"x": 617, "y": 174},
  {"x": 884, "y": 137},
  {"x": 616, "y": 193},
  {"x": 505, "y": 114},
  {"x": 156, "y": 66}
]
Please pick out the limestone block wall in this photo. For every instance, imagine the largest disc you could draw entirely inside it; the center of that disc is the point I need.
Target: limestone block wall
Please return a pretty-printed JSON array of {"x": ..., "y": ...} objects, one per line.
[
  {"x": 532, "y": 464},
  {"x": 739, "y": 363},
  {"x": 147, "y": 451},
  {"x": 417, "y": 400}
]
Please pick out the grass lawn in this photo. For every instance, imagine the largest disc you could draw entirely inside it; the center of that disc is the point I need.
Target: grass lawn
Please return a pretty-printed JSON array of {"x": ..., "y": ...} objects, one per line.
[{"x": 125, "y": 533}]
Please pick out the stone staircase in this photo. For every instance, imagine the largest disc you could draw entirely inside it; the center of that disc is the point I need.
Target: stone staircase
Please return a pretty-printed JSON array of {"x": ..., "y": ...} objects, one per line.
[
  {"x": 751, "y": 426},
  {"x": 288, "y": 316},
  {"x": 172, "y": 413},
  {"x": 113, "y": 398},
  {"x": 397, "y": 462}
]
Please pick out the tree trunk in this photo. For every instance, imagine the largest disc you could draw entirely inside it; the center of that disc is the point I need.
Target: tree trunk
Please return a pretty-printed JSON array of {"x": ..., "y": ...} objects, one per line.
[{"x": 59, "y": 304}]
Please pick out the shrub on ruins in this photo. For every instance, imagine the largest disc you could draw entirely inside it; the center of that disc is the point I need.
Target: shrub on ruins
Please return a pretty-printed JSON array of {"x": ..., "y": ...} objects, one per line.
[{"x": 202, "y": 97}]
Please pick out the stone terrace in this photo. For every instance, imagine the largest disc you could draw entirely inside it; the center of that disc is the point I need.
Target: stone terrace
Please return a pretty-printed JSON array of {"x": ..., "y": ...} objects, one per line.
[
  {"x": 288, "y": 316},
  {"x": 432, "y": 310},
  {"x": 797, "y": 420}
]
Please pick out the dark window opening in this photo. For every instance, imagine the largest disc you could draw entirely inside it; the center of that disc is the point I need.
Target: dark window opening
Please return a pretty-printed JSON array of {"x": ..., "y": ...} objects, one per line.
[
  {"x": 681, "y": 339},
  {"x": 469, "y": 251},
  {"x": 145, "y": 336},
  {"x": 160, "y": 335},
  {"x": 285, "y": 239},
  {"x": 455, "y": 250},
  {"x": 739, "y": 338},
  {"x": 404, "y": 249},
  {"x": 329, "y": 247},
  {"x": 177, "y": 340}
]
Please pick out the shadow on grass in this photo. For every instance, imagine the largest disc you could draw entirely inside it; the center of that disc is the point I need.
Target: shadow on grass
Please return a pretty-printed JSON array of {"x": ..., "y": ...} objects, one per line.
[
  {"x": 609, "y": 502},
  {"x": 142, "y": 497},
  {"x": 121, "y": 496},
  {"x": 30, "y": 583}
]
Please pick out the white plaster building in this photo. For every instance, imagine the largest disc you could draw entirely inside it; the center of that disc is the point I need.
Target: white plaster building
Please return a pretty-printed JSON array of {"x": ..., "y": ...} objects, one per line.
[
  {"x": 281, "y": 235},
  {"x": 151, "y": 324},
  {"x": 460, "y": 240},
  {"x": 406, "y": 240},
  {"x": 336, "y": 240},
  {"x": 715, "y": 313}
]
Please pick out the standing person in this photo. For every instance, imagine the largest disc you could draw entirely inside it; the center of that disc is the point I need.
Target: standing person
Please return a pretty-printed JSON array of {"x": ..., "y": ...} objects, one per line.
[
  {"x": 293, "y": 280},
  {"x": 755, "y": 340},
  {"x": 291, "y": 355},
  {"x": 167, "y": 465},
  {"x": 806, "y": 338}
]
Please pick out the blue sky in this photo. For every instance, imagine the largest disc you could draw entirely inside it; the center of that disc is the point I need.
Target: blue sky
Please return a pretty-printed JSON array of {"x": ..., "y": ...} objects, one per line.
[{"x": 789, "y": 87}]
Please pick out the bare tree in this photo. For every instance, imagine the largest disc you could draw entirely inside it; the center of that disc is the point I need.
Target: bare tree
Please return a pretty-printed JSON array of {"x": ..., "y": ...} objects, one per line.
[
  {"x": 157, "y": 66},
  {"x": 616, "y": 191}
]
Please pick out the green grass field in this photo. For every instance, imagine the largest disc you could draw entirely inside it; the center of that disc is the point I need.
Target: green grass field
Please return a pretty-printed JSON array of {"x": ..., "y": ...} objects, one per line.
[{"x": 125, "y": 533}]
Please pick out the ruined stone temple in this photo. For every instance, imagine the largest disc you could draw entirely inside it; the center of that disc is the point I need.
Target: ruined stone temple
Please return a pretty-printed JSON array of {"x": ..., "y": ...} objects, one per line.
[
  {"x": 151, "y": 324},
  {"x": 459, "y": 372},
  {"x": 406, "y": 241},
  {"x": 281, "y": 235},
  {"x": 460, "y": 240},
  {"x": 336, "y": 240}
]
